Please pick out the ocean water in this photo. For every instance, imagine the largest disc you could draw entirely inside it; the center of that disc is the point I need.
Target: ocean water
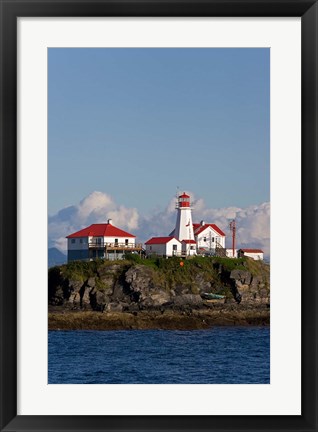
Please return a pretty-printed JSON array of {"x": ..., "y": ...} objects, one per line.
[{"x": 221, "y": 355}]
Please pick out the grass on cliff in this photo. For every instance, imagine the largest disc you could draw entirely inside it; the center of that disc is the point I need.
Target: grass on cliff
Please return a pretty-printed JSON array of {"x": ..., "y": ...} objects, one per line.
[
  {"x": 205, "y": 262},
  {"x": 90, "y": 268},
  {"x": 188, "y": 273},
  {"x": 230, "y": 264},
  {"x": 257, "y": 268},
  {"x": 168, "y": 273},
  {"x": 82, "y": 270}
]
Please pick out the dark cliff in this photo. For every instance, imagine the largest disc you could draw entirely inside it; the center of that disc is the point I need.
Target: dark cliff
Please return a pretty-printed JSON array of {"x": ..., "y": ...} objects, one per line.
[{"x": 158, "y": 286}]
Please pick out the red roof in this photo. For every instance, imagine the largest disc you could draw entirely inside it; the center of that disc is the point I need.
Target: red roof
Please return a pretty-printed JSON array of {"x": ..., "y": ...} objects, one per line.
[
  {"x": 198, "y": 228},
  {"x": 189, "y": 241},
  {"x": 159, "y": 240},
  {"x": 100, "y": 230},
  {"x": 252, "y": 250},
  {"x": 184, "y": 195}
]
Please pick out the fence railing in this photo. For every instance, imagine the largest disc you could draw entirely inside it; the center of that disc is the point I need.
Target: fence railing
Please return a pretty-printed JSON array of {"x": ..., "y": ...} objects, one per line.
[
  {"x": 220, "y": 251},
  {"x": 101, "y": 245}
]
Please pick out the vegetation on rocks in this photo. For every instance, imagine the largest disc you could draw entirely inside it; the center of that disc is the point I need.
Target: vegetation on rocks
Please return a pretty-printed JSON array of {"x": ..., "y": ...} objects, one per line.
[{"x": 157, "y": 286}]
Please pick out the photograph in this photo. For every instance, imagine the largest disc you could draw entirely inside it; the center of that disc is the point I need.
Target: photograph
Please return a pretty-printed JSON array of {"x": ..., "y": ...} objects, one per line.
[{"x": 159, "y": 215}]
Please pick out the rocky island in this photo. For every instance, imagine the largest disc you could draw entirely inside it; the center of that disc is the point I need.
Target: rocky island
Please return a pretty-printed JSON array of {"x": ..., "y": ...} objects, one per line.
[{"x": 158, "y": 293}]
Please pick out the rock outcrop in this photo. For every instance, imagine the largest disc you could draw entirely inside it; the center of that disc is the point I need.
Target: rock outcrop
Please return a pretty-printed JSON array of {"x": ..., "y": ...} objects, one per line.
[
  {"x": 248, "y": 288},
  {"x": 133, "y": 287}
]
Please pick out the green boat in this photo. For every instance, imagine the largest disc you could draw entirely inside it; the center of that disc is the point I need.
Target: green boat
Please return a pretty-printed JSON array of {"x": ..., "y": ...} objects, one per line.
[{"x": 211, "y": 296}]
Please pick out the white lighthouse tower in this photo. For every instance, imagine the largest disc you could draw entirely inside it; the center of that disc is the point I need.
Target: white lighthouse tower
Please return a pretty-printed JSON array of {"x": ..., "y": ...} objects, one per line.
[{"x": 184, "y": 225}]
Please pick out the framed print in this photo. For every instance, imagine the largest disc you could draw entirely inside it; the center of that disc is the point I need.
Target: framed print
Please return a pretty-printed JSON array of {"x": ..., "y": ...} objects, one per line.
[{"x": 158, "y": 321}]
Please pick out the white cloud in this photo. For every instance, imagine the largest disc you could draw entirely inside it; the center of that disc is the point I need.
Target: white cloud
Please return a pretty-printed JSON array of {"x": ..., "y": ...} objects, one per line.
[
  {"x": 125, "y": 217},
  {"x": 97, "y": 207},
  {"x": 94, "y": 206},
  {"x": 253, "y": 222}
]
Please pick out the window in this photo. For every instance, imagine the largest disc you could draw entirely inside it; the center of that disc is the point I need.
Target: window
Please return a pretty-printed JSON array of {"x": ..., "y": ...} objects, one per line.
[
  {"x": 126, "y": 242},
  {"x": 174, "y": 247},
  {"x": 192, "y": 247},
  {"x": 204, "y": 239},
  {"x": 212, "y": 239},
  {"x": 81, "y": 240},
  {"x": 73, "y": 241},
  {"x": 116, "y": 241},
  {"x": 150, "y": 247}
]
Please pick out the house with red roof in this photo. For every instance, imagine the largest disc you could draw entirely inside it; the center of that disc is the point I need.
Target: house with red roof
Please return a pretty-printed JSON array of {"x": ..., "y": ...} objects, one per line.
[
  {"x": 102, "y": 240},
  {"x": 164, "y": 246},
  {"x": 256, "y": 254},
  {"x": 209, "y": 237},
  {"x": 189, "y": 247}
]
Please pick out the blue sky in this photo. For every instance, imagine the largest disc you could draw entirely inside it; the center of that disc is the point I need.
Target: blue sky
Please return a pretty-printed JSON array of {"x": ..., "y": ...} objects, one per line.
[{"x": 137, "y": 123}]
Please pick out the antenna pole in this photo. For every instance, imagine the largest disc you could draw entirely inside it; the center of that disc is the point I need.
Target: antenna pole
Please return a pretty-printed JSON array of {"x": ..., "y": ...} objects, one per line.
[{"x": 233, "y": 229}]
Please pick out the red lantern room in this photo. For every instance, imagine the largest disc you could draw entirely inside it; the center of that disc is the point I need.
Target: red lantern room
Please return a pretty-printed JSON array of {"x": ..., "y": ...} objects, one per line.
[{"x": 184, "y": 200}]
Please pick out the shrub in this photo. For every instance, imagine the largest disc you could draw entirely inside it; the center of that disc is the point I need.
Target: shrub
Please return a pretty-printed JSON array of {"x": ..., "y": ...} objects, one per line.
[
  {"x": 135, "y": 258},
  {"x": 230, "y": 264}
]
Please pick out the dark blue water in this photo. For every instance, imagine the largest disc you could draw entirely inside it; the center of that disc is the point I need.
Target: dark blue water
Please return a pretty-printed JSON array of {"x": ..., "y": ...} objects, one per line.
[{"x": 222, "y": 355}]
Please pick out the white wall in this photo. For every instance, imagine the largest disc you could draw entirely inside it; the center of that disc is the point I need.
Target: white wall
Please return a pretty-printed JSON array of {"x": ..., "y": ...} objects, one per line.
[
  {"x": 112, "y": 239},
  {"x": 170, "y": 247},
  {"x": 184, "y": 218},
  {"x": 164, "y": 249},
  {"x": 186, "y": 249},
  {"x": 221, "y": 240},
  {"x": 229, "y": 253},
  {"x": 81, "y": 243},
  {"x": 256, "y": 256},
  {"x": 210, "y": 235}
]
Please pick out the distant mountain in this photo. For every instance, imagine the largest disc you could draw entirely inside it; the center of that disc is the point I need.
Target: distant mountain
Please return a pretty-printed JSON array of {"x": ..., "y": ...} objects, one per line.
[{"x": 55, "y": 257}]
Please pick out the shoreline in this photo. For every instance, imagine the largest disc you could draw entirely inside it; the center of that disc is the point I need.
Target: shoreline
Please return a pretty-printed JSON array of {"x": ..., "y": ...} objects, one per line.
[{"x": 156, "y": 320}]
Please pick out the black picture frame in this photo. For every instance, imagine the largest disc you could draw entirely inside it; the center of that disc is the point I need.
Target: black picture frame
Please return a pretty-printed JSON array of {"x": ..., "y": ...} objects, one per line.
[{"x": 10, "y": 11}]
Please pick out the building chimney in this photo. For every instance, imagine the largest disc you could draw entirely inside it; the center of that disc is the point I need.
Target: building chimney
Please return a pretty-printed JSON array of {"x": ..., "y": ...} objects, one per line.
[
  {"x": 202, "y": 223},
  {"x": 110, "y": 221}
]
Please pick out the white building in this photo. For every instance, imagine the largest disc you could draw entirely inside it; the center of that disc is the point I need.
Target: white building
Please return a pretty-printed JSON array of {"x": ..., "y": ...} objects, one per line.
[
  {"x": 209, "y": 237},
  {"x": 163, "y": 246},
  {"x": 229, "y": 253},
  {"x": 256, "y": 254},
  {"x": 100, "y": 241},
  {"x": 189, "y": 247}
]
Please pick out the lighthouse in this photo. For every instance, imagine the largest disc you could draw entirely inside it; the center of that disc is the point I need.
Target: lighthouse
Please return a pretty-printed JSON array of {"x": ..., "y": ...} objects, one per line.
[{"x": 184, "y": 225}]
